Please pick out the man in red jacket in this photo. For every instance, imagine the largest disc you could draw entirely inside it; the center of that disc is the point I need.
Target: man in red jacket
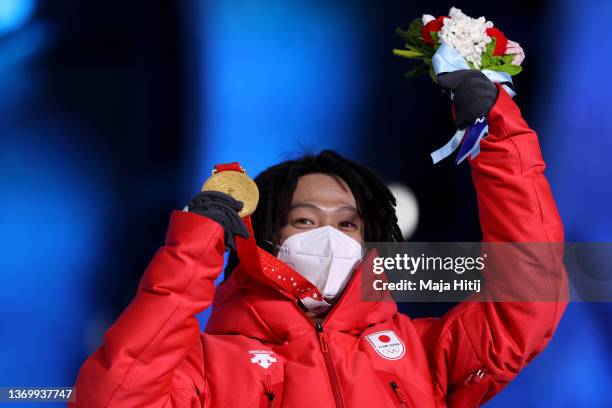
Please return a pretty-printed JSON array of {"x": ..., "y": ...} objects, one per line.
[{"x": 289, "y": 327}]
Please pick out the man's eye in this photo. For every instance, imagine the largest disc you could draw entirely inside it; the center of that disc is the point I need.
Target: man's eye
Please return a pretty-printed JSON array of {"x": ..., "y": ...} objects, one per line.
[{"x": 304, "y": 221}]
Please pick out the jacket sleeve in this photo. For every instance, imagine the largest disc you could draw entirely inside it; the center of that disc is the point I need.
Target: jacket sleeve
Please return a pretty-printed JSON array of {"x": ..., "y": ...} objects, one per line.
[
  {"x": 478, "y": 347},
  {"x": 152, "y": 355}
]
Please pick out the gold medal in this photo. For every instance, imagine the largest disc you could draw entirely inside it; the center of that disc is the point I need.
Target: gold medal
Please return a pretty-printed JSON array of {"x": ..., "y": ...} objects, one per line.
[{"x": 237, "y": 185}]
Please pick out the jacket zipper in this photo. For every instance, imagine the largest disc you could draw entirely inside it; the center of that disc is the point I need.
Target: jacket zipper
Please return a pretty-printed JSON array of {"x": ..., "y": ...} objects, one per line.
[
  {"x": 269, "y": 392},
  {"x": 329, "y": 364},
  {"x": 398, "y": 394}
]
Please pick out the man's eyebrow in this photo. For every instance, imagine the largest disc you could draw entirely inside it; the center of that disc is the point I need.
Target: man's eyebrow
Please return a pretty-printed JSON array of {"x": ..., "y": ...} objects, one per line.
[{"x": 316, "y": 207}]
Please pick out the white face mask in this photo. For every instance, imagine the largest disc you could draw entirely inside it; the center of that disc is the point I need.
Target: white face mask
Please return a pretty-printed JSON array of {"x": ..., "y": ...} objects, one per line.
[{"x": 324, "y": 256}]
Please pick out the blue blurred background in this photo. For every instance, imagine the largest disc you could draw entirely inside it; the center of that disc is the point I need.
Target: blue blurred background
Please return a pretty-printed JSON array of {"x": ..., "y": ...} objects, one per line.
[{"x": 113, "y": 113}]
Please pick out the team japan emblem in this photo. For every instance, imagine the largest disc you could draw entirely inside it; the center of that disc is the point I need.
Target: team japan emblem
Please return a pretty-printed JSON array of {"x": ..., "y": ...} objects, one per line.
[
  {"x": 263, "y": 358},
  {"x": 387, "y": 344}
]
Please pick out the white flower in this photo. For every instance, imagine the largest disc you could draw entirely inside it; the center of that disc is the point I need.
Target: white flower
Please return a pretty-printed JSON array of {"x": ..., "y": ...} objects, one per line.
[
  {"x": 427, "y": 18},
  {"x": 466, "y": 35}
]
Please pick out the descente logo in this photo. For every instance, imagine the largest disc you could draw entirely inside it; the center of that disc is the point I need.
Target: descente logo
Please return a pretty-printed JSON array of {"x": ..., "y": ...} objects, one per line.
[{"x": 263, "y": 358}]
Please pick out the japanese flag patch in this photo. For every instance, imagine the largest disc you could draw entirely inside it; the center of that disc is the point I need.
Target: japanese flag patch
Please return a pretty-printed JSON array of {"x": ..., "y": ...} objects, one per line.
[{"x": 387, "y": 344}]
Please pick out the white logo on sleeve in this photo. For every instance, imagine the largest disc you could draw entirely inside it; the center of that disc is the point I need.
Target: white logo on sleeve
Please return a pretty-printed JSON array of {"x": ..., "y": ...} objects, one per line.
[
  {"x": 262, "y": 357},
  {"x": 387, "y": 344}
]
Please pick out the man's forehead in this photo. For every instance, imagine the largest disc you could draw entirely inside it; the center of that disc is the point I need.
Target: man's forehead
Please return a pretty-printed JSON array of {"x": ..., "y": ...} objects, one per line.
[
  {"x": 317, "y": 206},
  {"x": 323, "y": 188}
]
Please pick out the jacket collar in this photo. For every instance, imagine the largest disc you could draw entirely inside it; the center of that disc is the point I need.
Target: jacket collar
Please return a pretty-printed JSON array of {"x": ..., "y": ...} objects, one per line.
[{"x": 247, "y": 303}]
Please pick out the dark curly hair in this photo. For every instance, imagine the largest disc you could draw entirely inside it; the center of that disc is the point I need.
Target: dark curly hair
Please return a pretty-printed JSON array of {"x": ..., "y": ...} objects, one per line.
[{"x": 375, "y": 203}]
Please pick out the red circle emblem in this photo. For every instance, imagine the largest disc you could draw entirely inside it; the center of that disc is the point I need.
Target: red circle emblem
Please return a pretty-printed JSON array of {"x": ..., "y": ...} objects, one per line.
[{"x": 384, "y": 338}]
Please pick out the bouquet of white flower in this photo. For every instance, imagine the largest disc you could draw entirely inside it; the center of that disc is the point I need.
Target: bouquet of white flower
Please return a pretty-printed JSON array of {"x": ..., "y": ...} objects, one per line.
[{"x": 476, "y": 40}]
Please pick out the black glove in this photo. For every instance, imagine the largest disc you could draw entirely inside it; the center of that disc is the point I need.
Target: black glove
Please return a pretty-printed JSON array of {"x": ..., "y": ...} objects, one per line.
[
  {"x": 474, "y": 94},
  {"x": 223, "y": 209}
]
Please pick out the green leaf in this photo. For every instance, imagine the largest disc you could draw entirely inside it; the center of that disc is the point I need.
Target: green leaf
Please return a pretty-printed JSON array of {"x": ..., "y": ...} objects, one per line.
[
  {"x": 408, "y": 53},
  {"x": 490, "y": 48},
  {"x": 509, "y": 68},
  {"x": 427, "y": 51},
  {"x": 432, "y": 75},
  {"x": 402, "y": 33},
  {"x": 412, "y": 34},
  {"x": 412, "y": 48},
  {"x": 415, "y": 27},
  {"x": 420, "y": 70},
  {"x": 487, "y": 58},
  {"x": 436, "y": 37}
]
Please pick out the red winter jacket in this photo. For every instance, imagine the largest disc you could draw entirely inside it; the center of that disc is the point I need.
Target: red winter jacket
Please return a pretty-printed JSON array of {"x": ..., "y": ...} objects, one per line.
[{"x": 261, "y": 350}]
